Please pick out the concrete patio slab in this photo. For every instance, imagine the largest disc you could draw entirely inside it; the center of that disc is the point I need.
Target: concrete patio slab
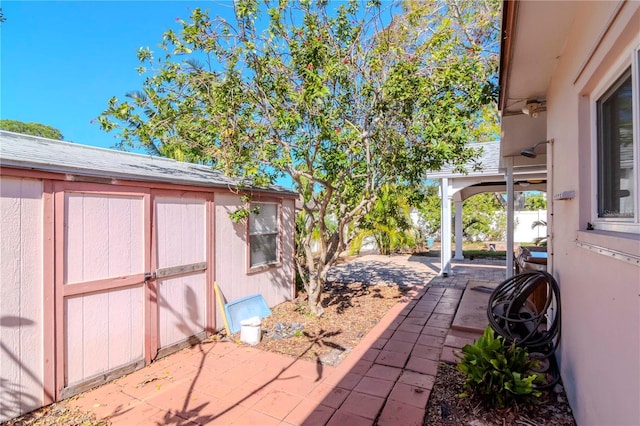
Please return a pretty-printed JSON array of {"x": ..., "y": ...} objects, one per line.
[{"x": 472, "y": 312}]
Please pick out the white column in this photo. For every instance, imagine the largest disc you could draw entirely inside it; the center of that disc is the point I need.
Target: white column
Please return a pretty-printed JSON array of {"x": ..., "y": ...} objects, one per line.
[
  {"x": 458, "y": 206},
  {"x": 445, "y": 227},
  {"x": 510, "y": 217}
]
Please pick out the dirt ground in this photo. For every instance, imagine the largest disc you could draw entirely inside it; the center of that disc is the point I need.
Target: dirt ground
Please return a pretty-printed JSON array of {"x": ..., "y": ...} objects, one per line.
[
  {"x": 446, "y": 408},
  {"x": 351, "y": 310}
]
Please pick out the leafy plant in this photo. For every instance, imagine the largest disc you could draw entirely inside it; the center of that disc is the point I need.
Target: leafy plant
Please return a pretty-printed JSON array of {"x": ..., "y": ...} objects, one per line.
[
  {"x": 535, "y": 201},
  {"x": 498, "y": 373},
  {"x": 389, "y": 220},
  {"x": 539, "y": 241},
  {"x": 484, "y": 218}
]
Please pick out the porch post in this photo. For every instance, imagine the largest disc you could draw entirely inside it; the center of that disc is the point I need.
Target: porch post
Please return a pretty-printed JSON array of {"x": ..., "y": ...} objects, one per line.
[
  {"x": 445, "y": 227},
  {"x": 510, "y": 217},
  {"x": 458, "y": 206}
]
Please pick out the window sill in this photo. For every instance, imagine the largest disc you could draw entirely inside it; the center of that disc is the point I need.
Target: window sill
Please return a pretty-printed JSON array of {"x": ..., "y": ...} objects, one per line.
[
  {"x": 619, "y": 245},
  {"x": 262, "y": 268}
]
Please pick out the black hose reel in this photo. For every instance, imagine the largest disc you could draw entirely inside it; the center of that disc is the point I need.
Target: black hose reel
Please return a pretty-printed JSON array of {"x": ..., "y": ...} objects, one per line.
[{"x": 513, "y": 315}]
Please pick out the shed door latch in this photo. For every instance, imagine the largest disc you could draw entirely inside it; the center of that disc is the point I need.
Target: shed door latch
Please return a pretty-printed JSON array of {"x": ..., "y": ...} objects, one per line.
[{"x": 149, "y": 276}]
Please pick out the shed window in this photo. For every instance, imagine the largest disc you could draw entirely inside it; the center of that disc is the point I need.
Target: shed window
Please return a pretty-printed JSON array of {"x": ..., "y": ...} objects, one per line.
[{"x": 264, "y": 234}]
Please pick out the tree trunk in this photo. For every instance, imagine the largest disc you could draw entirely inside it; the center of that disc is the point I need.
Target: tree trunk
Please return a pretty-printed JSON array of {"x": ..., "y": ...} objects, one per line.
[{"x": 314, "y": 295}]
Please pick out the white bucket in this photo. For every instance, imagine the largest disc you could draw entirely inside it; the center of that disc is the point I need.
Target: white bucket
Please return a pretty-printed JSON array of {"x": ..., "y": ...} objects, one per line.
[{"x": 250, "y": 330}]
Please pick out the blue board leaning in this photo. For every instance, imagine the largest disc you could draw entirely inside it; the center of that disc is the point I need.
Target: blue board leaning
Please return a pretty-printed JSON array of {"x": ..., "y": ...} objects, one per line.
[{"x": 245, "y": 308}]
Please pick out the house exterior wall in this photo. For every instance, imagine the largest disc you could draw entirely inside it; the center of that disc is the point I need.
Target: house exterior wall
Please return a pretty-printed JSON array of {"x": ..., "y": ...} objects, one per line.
[
  {"x": 231, "y": 261},
  {"x": 600, "y": 344},
  {"x": 21, "y": 296}
]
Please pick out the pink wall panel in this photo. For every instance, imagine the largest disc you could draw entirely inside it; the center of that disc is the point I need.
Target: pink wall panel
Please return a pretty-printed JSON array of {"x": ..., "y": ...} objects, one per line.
[
  {"x": 193, "y": 227},
  {"x": 167, "y": 217},
  {"x": 125, "y": 326},
  {"x": 180, "y": 231},
  {"x": 104, "y": 236},
  {"x": 182, "y": 308},
  {"x": 74, "y": 331},
  {"x": 96, "y": 332},
  {"x": 96, "y": 237},
  {"x": 126, "y": 235},
  {"x": 74, "y": 238},
  {"x": 181, "y": 240},
  {"x": 21, "y": 282},
  {"x": 103, "y": 331}
]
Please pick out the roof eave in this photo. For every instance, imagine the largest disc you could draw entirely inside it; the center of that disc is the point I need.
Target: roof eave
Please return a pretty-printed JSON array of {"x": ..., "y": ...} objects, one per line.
[{"x": 509, "y": 13}]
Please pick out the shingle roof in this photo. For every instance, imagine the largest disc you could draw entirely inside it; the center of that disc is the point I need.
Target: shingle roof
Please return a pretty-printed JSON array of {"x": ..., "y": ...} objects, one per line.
[
  {"x": 36, "y": 153},
  {"x": 488, "y": 161}
]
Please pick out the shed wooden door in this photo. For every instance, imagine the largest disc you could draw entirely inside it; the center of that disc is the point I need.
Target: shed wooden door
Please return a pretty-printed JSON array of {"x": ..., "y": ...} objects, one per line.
[
  {"x": 180, "y": 260},
  {"x": 103, "y": 235}
]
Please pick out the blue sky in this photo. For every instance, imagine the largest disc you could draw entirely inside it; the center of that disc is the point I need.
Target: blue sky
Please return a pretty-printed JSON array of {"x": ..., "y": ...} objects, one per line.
[{"x": 61, "y": 61}]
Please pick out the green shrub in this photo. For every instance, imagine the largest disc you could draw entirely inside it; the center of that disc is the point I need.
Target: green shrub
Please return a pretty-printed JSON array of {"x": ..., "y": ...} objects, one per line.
[{"x": 497, "y": 373}]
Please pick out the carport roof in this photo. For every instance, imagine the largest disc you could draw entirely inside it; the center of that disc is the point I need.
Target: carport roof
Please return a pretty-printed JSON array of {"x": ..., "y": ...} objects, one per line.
[{"x": 48, "y": 155}]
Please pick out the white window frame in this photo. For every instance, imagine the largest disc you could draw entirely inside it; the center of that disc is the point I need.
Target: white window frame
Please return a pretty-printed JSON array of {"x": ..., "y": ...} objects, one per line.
[
  {"x": 617, "y": 224},
  {"x": 277, "y": 233}
]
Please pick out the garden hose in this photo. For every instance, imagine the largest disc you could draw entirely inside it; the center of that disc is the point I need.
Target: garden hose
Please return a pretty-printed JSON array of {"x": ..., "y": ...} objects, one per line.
[{"x": 513, "y": 316}]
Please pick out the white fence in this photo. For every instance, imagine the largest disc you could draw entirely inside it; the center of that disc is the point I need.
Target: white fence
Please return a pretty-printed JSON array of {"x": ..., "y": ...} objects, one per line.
[{"x": 524, "y": 220}]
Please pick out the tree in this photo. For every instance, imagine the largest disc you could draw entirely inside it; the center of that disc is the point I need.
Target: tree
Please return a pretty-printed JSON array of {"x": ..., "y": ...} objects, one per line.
[
  {"x": 429, "y": 209},
  {"x": 535, "y": 201},
  {"x": 34, "y": 129},
  {"x": 483, "y": 215},
  {"x": 342, "y": 100},
  {"x": 483, "y": 218},
  {"x": 389, "y": 219}
]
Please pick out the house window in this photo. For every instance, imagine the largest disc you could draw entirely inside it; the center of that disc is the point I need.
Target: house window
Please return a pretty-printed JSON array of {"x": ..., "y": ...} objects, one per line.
[
  {"x": 264, "y": 234},
  {"x": 617, "y": 152}
]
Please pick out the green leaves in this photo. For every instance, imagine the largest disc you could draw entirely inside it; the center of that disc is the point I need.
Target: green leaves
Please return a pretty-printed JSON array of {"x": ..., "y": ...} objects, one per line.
[
  {"x": 35, "y": 129},
  {"x": 496, "y": 373},
  {"x": 338, "y": 96}
]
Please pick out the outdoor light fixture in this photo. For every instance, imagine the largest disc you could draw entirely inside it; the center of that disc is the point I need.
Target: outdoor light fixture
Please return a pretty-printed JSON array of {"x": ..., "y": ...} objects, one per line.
[
  {"x": 531, "y": 152},
  {"x": 533, "y": 108}
]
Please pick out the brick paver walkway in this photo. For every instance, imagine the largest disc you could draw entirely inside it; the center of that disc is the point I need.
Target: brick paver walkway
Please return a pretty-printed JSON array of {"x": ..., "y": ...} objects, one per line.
[{"x": 385, "y": 380}]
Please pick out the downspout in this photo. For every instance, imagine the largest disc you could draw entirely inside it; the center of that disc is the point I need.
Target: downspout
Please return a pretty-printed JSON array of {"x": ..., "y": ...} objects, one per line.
[{"x": 550, "y": 205}]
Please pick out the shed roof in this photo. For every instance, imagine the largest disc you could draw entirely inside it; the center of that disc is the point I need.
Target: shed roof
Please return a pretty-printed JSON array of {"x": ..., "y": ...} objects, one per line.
[
  {"x": 488, "y": 163},
  {"x": 36, "y": 153}
]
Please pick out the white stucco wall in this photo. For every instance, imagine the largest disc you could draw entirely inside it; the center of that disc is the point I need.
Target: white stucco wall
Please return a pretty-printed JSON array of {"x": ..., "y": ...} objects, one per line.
[{"x": 600, "y": 343}]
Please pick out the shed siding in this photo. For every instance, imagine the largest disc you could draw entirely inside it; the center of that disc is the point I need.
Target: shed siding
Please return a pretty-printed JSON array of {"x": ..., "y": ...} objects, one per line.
[
  {"x": 181, "y": 240},
  {"x": 275, "y": 284},
  {"x": 104, "y": 236},
  {"x": 181, "y": 308},
  {"x": 21, "y": 296},
  {"x": 104, "y": 331}
]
